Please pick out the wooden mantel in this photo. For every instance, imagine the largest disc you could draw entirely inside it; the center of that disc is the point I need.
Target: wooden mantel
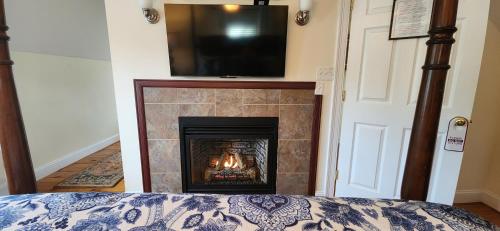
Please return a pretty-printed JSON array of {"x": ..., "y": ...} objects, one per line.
[{"x": 15, "y": 151}]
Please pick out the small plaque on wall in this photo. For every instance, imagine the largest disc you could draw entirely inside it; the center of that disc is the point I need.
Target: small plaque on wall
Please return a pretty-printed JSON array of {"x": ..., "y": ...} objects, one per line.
[{"x": 410, "y": 19}]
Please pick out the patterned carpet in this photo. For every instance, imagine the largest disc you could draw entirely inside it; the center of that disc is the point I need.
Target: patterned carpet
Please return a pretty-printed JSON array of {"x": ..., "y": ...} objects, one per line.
[{"x": 106, "y": 173}]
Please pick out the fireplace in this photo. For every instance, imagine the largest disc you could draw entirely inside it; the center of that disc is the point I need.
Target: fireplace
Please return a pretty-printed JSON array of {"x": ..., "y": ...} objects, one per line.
[{"x": 228, "y": 154}]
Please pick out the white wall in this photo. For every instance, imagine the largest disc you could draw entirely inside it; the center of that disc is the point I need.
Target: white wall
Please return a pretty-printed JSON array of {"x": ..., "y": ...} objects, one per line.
[
  {"x": 480, "y": 175},
  {"x": 67, "y": 103},
  {"x": 74, "y": 28},
  {"x": 139, "y": 51},
  {"x": 63, "y": 78}
]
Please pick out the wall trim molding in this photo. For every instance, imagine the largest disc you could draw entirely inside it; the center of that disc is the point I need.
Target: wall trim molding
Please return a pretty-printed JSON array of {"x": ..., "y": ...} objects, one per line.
[
  {"x": 321, "y": 193},
  {"x": 491, "y": 199},
  {"x": 475, "y": 195},
  {"x": 67, "y": 159},
  {"x": 343, "y": 27},
  {"x": 140, "y": 84},
  {"x": 72, "y": 157},
  {"x": 467, "y": 196}
]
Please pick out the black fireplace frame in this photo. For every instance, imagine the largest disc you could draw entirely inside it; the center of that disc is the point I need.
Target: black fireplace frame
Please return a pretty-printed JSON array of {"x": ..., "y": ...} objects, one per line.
[{"x": 229, "y": 127}]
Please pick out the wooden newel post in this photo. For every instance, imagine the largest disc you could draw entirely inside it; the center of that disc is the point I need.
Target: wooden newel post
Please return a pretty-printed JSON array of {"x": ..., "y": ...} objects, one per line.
[
  {"x": 15, "y": 151},
  {"x": 425, "y": 125}
]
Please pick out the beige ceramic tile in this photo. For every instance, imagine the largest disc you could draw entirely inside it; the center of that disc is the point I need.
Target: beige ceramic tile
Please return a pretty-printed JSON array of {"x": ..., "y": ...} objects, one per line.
[
  {"x": 295, "y": 121},
  {"x": 162, "y": 121},
  {"x": 294, "y": 155},
  {"x": 160, "y": 95},
  {"x": 297, "y": 97},
  {"x": 261, "y": 96},
  {"x": 195, "y": 95},
  {"x": 292, "y": 183},
  {"x": 261, "y": 110},
  {"x": 164, "y": 156},
  {"x": 229, "y": 102},
  {"x": 229, "y": 110},
  {"x": 166, "y": 182},
  {"x": 197, "y": 110},
  {"x": 228, "y": 96}
]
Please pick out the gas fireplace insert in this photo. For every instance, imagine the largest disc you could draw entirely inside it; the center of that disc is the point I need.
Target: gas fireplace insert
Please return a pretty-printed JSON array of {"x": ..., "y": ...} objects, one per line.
[{"x": 230, "y": 155}]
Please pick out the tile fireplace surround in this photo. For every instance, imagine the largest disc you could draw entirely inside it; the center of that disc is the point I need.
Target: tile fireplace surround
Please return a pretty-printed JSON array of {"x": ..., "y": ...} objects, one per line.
[{"x": 161, "y": 102}]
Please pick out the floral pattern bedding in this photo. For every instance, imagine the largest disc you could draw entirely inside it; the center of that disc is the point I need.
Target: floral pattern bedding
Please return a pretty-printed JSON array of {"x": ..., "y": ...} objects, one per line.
[{"x": 122, "y": 211}]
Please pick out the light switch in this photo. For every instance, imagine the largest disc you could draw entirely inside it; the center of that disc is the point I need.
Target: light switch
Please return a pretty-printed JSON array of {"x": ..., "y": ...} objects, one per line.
[{"x": 324, "y": 74}]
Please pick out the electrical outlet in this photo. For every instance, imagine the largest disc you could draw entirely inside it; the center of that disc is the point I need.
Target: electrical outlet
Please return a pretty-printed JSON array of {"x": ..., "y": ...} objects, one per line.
[{"x": 324, "y": 74}]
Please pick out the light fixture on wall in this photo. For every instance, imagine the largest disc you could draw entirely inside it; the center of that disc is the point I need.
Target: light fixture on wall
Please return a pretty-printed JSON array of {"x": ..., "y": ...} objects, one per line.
[
  {"x": 231, "y": 8},
  {"x": 302, "y": 17},
  {"x": 152, "y": 15}
]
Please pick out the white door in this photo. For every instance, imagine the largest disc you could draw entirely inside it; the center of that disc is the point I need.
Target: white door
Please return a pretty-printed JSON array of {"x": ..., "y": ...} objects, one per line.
[{"x": 382, "y": 83}]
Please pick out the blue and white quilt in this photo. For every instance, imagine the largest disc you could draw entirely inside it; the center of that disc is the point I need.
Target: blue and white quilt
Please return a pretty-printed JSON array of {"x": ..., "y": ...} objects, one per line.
[{"x": 122, "y": 211}]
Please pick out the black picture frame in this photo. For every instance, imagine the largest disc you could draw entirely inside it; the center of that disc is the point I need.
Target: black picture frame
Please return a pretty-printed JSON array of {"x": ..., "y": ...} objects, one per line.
[{"x": 392, "y": 24}]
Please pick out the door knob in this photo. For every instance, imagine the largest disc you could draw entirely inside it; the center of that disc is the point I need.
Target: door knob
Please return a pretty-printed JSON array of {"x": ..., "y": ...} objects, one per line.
[{"x": 460, "y": 121}]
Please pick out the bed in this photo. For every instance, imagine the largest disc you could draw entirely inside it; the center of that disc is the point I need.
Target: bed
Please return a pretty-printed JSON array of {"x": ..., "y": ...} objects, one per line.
[{"x": 125, "y": 211}]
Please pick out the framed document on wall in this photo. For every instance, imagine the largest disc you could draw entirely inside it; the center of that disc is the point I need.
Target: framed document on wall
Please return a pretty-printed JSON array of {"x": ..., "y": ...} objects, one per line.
[{"x": 410, "y": 19}]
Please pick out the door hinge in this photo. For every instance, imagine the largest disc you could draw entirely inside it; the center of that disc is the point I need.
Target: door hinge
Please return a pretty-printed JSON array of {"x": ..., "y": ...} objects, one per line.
[{"x": 343, "y": 95}]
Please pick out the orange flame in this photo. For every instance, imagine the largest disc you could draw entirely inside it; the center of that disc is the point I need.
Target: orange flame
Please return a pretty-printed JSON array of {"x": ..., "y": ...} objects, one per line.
[{"x": 231, "y": 163}]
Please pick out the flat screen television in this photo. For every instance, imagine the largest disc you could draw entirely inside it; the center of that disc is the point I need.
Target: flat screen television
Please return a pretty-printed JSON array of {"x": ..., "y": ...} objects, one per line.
[{"x": 226, "y": 40}]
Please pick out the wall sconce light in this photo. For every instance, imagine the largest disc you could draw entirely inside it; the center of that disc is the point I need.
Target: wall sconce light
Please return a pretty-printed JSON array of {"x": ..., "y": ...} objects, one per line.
[
  {"x": 302, "y": 17},
  {"x": 149, "y": 12}
]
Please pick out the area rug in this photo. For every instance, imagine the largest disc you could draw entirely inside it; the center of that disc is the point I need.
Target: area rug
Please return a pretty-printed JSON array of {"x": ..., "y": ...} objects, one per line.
[{"x": 105, "y": 174}]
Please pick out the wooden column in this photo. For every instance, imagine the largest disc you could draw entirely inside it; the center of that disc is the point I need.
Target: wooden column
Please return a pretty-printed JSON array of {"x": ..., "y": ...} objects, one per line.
[
  {"x": 15, "y": 151},
  {"x": 430, "y": 99}
]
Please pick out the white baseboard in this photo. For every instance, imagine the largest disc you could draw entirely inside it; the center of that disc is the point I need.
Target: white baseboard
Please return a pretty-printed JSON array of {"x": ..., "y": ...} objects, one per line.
[
  {"x": 320, "y": 193},
  {"x": 468, "y": 196},
  {"x": 67, "y": 159},
  {"x": 72, "y": 157},
  {"x": 485, "y": 196},
  {"x": 491, "y": 199}
]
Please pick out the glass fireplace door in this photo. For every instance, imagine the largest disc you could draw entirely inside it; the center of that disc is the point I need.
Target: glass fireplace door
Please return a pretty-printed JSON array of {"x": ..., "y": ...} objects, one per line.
[{"x": 229, "y": 159}]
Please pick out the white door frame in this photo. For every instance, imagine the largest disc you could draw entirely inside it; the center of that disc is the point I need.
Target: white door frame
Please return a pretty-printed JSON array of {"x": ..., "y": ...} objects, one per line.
[{"x": 343, "y": 24}]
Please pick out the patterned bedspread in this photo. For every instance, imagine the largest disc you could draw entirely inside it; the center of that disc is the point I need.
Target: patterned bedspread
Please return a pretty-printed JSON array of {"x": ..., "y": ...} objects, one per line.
[{"x": 121, "y": 211}]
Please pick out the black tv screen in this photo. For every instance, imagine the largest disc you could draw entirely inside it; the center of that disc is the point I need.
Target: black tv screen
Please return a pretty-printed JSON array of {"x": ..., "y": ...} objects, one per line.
[{"x": 226, "y": 40}]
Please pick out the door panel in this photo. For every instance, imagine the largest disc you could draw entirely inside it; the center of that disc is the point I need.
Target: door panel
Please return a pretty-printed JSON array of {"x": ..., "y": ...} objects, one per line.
[
  {"x": 376, "y": 65},
  {"x": 368, "y": 145},
  {"x": 382, "y": 83}
]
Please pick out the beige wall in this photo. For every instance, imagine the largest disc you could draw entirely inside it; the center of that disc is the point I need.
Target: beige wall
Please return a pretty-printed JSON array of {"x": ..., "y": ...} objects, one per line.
[
  {"x": 139, "y": 51},
  {"x": 493, "y": 70},
  {"x": 493, "y": 177},
  {"x": 481, "y": 164}
]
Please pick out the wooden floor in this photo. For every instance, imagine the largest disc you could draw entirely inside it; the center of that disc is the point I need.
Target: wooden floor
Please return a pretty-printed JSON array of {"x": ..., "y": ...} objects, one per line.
[
  {"x": 48, "y": 183},
  {"x": 483, "y": 211}
]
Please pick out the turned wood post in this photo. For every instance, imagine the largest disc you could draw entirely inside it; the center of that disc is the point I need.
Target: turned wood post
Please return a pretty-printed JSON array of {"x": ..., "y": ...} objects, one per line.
[
  {"x": 15, "y": 151},
  {"x": 430, "y": 99}
]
